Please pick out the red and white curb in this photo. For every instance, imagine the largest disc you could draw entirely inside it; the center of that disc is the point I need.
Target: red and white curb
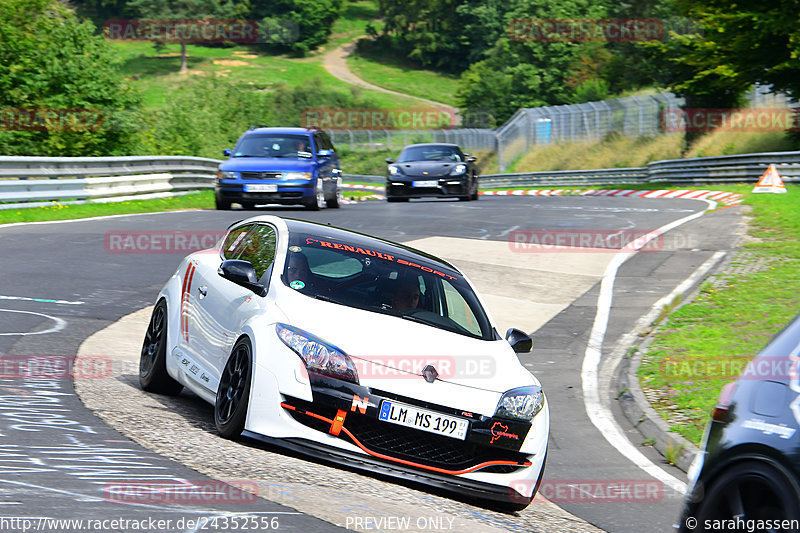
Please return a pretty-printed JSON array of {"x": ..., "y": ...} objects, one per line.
[{"x": 727, "y": 198}]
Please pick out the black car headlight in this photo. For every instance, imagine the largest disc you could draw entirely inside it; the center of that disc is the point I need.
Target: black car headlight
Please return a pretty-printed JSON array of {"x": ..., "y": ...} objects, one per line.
[
  {"x": 318, "y": 356},
  {"x": 458, "y": 170},
  {"x": 522, "y": 403},
  {"x": 393, "y": 170}
]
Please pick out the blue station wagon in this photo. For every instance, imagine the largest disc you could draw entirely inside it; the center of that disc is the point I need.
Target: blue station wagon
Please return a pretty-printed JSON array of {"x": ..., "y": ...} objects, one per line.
[{"x": 280, "y": 166}]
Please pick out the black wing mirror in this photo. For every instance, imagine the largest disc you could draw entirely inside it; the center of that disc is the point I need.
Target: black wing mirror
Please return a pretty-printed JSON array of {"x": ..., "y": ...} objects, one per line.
[
  {"x": 520, "y": 341},
  {"x": 242, "y": 273},
  {"x": 389, "y": 160}
]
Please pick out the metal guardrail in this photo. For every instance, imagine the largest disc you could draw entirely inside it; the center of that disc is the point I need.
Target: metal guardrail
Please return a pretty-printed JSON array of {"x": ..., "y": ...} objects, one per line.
[
  {"x": 37, "y": 179},
  {"x": 29, "y": 179}
]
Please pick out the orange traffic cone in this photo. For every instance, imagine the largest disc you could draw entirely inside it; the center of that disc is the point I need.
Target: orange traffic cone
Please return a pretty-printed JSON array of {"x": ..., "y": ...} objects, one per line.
[{"x": 770, "y": 181}]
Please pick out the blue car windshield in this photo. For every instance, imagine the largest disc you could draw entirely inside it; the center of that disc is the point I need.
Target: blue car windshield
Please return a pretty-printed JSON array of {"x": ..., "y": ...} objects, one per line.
[
  {"x": 430, "y": 153},
  {"x": 274, "y": 145},
  {"x": 381, "y": 280}
]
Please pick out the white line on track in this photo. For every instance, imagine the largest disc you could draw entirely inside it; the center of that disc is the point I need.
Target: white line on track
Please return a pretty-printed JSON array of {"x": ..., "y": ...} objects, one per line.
[
  {"x": 41, "y": 300},
  {"x": 599, "y": 414},
  {"x": 60, "y": 323}
]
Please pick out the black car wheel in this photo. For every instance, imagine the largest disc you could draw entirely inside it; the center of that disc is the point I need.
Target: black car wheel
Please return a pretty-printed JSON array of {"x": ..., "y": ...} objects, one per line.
[
  {"x": 752, "y": 490},
  {"x": 222, "y": 204},
  {"x": 153, "y": 376},
  {"x": 248, "y": 205},
  {"x": 233, "y": 394},
  {"x": 475, "y": 191},
  {"x": 337, "y": 198},
  {"x": 317, "y": 202},
  {"x": 395, "y": 199}
]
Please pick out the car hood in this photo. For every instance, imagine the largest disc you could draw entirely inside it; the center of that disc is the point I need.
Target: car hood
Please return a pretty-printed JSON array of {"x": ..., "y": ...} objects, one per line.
[
  {"x": 434, "y": 169},
  {"x": 267, "y": 164},
  {"x": 390, "y": 353}
]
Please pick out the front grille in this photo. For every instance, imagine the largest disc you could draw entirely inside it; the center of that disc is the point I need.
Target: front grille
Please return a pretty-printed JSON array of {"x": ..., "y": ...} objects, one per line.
[
  {"x": 261, "y": 175},
  {"x": 410, "y": 444}
]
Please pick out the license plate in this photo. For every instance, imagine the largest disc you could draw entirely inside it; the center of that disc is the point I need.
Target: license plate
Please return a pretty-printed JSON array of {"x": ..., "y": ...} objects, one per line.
[
  {"x": 415, "y": 417},
  {"x": 425, "y": 183},
  {"x": 260, "y": 187}
]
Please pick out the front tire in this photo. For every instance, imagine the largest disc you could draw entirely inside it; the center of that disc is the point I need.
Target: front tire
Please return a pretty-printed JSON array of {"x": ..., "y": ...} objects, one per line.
[
  {"x": 222, "y": 205},
  {"x": 233, "y": 394},
  {"x": 317, "y": 202},
  {"x": 153, "y": 376},
  {"x": 337, "y": 200}
]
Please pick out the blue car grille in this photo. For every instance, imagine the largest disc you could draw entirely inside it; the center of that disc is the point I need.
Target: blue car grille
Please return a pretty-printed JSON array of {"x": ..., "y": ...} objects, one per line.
[{"x": 261, "y": 175}]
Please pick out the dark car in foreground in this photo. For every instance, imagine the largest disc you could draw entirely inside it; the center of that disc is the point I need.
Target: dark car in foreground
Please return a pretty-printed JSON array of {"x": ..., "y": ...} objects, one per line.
[
  {"x": 280, "y": 166},
  {"x": 747, "y": 476},
  {"x": 436, "y": 170}
]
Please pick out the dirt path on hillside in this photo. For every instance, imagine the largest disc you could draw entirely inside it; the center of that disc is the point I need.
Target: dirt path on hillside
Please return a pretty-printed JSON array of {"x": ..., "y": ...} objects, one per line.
[{"x": 335, "y": 62}]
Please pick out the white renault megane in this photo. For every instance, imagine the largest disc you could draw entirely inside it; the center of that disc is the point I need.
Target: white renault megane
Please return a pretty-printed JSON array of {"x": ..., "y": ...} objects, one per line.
[{"x": 351, "y": 349}]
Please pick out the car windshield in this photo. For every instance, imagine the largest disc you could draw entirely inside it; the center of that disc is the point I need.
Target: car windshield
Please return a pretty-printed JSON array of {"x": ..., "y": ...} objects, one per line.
[
  {"x": 274, "y": 145},
  {"x": 430, "y": 153},
  {"x": 381, "y": 281}
]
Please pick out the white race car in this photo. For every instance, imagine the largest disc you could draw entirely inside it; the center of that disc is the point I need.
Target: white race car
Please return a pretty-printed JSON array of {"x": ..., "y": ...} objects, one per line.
[{"x": 352, "y": 349}]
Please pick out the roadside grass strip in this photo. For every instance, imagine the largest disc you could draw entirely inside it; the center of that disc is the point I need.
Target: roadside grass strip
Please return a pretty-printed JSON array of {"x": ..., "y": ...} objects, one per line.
[{"x": 708, "y": 342}]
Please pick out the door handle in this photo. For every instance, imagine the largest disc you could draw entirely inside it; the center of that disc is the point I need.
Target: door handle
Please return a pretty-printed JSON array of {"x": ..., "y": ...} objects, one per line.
[{"x": 203, "y": 291}]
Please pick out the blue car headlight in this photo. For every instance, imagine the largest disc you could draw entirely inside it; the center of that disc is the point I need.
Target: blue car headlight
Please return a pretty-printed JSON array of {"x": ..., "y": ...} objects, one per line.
[
  {"x": 318, "y": 356},
  {"x": 458, "y": 170},
  {"x": 296, "y": 175},
  {"x": 522, "y": 403},
  {"x": 228, "y": 175}
]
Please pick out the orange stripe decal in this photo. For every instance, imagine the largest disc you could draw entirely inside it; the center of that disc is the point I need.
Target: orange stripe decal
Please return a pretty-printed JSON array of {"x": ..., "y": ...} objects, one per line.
[{"x": 403, "y": 461}]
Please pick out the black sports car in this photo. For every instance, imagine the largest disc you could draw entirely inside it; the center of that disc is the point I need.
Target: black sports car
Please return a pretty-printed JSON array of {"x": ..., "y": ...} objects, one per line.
[
  {"x": 434, "y": 170},
  {"x": 747, "y": 477}
]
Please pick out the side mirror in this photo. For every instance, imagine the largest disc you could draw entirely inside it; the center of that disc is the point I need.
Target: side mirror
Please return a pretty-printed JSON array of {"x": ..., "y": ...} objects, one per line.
[
  {"x": 226, "y": 152},
  {"x": 324, "y": 153},
  {"x": 471, "y": 159},
  {"x": 389, "y": 160},
  {"x": 520, "y": 341},
  {"x": 242, "y": 273}
]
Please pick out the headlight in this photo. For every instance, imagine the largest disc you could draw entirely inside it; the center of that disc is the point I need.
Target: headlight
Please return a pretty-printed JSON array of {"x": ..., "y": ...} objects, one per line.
[
  {"x": 228, "y": 175},
  {"x": 458, "y": 170},
  {"x": 393, "y": 170},
  {"x": 522, "y": 403},
  {"x": 319, "y": 357},
  {"x": 296, "y": 175}
]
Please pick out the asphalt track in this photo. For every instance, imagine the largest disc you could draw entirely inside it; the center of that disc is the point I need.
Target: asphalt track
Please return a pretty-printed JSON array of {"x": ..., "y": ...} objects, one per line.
[{"x": 60, "y": 283}]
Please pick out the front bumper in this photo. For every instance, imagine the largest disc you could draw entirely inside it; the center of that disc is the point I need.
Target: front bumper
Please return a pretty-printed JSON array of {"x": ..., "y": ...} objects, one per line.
[
  {"x": 288, "y": 192},
  {"x": 446, "y": 187}
]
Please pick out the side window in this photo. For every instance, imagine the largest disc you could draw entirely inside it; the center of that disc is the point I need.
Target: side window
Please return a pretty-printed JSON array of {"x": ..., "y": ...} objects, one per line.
[
  {"x": 259, "y": 249},
  {"x": 458, "y": 309},
  {"x": 254, "y": 243},
  {"x": 233, "y": 241},
  {"x": 326, "y": 142}
]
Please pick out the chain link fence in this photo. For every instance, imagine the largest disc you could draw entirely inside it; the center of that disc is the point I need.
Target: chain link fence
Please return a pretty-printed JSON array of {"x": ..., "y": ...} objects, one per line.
[{"x": 395, "y": 140}]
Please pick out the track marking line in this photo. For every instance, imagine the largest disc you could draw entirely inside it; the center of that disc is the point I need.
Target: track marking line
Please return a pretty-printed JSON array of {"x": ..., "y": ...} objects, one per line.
[{"x": 599, "y": 414}]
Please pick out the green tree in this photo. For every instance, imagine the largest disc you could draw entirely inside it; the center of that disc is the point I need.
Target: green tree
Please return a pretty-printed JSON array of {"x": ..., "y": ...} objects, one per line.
[
  {"x": 194, "y": 10},
  {"x": 314, "y": 20},
  {"x": 736, "y": 45},
  {"x": 53, "y": 65},
  {"x": 523, "y": 69}
]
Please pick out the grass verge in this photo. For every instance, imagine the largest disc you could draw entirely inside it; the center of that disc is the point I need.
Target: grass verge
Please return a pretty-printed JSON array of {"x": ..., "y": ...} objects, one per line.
[{"x": 707, "y": 342}]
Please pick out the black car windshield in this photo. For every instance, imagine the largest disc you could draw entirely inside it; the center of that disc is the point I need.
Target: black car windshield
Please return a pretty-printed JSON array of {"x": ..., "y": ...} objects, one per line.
[
  {"x": 382, "y": 281},
  {"x": 274, "y": 145},
  {"x": 432, "y": 152}
]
